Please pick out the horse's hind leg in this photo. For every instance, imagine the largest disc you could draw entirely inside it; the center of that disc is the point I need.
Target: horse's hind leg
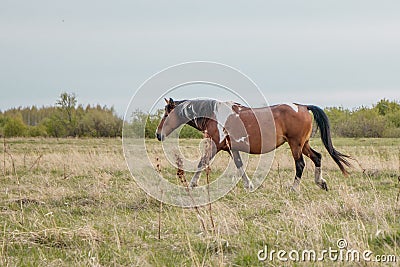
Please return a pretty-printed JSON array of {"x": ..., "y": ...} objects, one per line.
[
  {"x": 296, "y": 148},
  {"x": 316, "y": 158},
  {"x": 239, "y": 164}
]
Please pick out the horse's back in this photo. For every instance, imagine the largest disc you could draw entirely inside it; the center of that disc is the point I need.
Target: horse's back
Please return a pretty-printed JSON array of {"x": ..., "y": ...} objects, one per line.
[{"x": 291, "y": 122}]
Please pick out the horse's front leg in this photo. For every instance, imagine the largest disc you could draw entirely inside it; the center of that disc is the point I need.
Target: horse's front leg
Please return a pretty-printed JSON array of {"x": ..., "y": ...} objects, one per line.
[
  {"x": 205, "y": 159},
  {"x": 239, "y": 164}
]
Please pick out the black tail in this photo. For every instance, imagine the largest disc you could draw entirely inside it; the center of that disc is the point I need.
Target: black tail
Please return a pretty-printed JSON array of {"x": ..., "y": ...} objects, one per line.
[{"x": 323, "y": 124}]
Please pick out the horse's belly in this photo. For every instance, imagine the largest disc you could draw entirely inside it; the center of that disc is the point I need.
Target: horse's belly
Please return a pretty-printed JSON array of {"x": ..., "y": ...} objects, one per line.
[{"x": 254, "y": 141}]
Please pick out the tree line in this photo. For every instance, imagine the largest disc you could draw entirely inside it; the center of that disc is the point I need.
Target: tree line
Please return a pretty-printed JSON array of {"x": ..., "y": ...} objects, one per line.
[
  {"x": 380, "y": 120},
  {"x": 65, "y": 119},
  {"x": 68, "y": 119}
]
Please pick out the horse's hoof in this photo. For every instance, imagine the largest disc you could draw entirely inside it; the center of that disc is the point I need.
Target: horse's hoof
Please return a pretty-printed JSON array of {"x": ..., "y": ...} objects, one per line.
[
  {"x": 293, "y": 189},
  {"x": 324, "y": 186},
  {"x": 249, "y": 186}
]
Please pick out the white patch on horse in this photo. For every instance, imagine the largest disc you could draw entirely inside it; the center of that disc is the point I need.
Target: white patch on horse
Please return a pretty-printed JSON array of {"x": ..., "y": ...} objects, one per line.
[
  {"x": 293, "y": 106},
  {"x": 242, "y": 139},
  {"x": 222, "y": 111},
  {"x": 185, "y": 110},
  {"x": 318, "y": 175}
]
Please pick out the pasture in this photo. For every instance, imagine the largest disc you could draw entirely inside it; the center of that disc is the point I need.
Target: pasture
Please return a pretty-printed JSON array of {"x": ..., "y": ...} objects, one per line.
[{"x": 73, "y": 202}]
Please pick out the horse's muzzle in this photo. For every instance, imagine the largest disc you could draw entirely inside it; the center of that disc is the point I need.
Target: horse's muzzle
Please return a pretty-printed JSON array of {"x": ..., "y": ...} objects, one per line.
[{"x": 160, "y": 137}]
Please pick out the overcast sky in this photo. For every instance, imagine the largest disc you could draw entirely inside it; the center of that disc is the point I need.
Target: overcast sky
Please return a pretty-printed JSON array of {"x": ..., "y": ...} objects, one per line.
[{"x": 328, "y": 53}]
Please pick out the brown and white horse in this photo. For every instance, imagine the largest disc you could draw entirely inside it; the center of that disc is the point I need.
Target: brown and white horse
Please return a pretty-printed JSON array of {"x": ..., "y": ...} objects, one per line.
[{"x": 253, "y": 130}]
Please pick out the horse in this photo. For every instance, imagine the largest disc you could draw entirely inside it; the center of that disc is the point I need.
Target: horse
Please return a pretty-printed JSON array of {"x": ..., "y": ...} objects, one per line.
[{"x": 263, "y": 130}]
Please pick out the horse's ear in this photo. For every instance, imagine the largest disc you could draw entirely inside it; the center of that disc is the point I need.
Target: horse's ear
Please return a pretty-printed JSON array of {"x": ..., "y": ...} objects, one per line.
[
  {"x": 166, "y": 101},
  {"x": 171, "y": 102}
]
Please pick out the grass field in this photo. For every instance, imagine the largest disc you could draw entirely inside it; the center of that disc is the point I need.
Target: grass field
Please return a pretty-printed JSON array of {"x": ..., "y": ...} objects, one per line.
[{"x": 73, "y": 202}]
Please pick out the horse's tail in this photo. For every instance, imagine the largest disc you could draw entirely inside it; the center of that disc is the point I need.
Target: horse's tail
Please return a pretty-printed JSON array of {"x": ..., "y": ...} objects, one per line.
[{"x": 323, "y": 124}]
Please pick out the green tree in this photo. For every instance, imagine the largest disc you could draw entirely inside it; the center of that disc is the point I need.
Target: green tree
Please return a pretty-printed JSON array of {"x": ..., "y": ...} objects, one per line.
[
  {"x": 55, "y": 125},
  {"x": 137, "y": 124},
  {"x": 36, "y": 131},
  {"x": 337, "y": 117},
  {"x": 66, "y": 103},
  {"x": 363, "y": 122},
  {"x": 14, "y": 127},
  {"x": 394, "y": 118},
  {"x": 190, "y": 132},
  {"x": 385, "y": 107},
  {"x": 100, "y": 122},
  {"x": 2, "y": 123},
  {"x": 152, "y": 123}
]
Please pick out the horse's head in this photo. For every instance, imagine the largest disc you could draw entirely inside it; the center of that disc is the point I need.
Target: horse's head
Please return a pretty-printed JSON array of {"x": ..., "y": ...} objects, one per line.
[{"x": 170, "y": 120}]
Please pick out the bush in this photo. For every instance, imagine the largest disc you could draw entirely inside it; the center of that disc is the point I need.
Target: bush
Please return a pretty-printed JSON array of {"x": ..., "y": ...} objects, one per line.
[
  {"x": 383, "y": 120},
  {"x": 190, "y": 132},
  {"x": 36, "y": 131},
  {"x": 362, "y": 123},
  {"x": 14, "y": 127}
]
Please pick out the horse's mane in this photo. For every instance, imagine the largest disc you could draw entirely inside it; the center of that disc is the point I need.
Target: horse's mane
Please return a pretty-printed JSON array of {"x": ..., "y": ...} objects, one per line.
[
  {"x": 197, "y": 112},
  {"x": 198, "y": 108}
]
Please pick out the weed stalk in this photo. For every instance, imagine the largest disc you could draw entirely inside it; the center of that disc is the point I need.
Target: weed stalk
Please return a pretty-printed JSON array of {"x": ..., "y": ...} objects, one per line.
[
  {"x": 208, "y": 169},
  {"x": 181, "y": 175},
  {"x": 4, "y": 155},
  {"x": 160, "y": 210}
]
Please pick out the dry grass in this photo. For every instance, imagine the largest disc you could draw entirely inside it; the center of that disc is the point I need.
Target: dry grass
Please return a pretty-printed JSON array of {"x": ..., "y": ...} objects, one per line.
[{"x": 72, "y": 202}]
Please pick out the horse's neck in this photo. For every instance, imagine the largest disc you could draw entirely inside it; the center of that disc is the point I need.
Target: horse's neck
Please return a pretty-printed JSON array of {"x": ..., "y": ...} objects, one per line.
[{"x": 199, "y": 124}]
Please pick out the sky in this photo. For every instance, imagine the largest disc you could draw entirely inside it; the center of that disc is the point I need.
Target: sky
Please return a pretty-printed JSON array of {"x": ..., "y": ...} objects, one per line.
[{"x": 327, "y": 53}]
